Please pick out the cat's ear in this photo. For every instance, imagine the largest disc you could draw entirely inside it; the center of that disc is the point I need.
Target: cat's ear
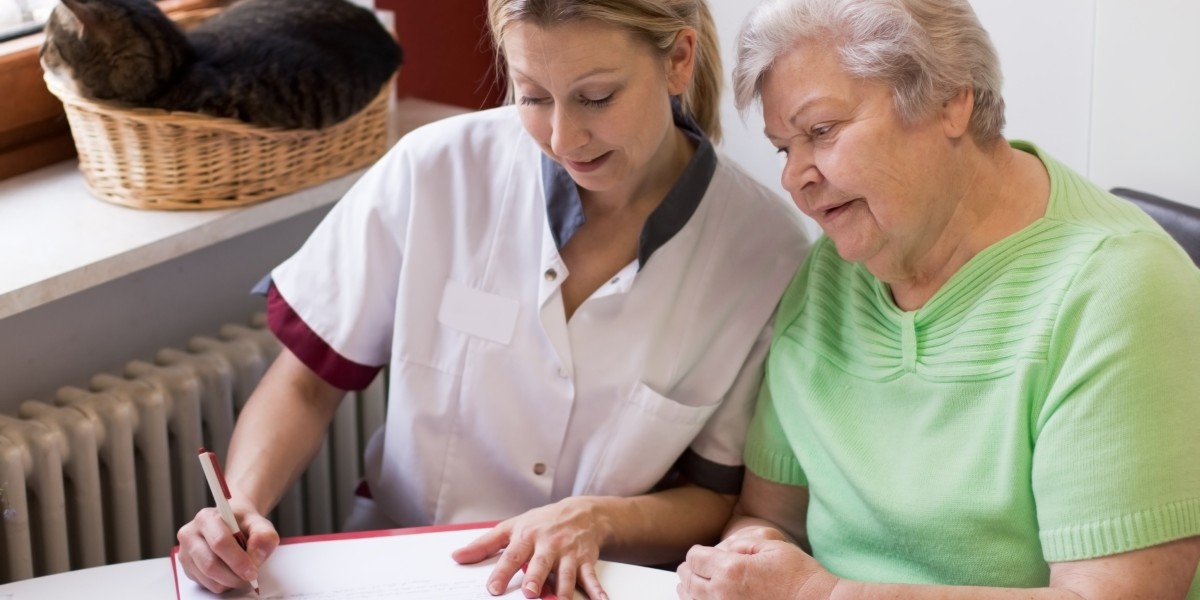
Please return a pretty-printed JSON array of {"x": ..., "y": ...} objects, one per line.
[{"x": 86, "y": 13}]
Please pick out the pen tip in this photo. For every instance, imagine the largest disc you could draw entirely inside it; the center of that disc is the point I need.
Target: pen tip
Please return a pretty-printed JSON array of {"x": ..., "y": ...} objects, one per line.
[{"x": 256, "y": 592}]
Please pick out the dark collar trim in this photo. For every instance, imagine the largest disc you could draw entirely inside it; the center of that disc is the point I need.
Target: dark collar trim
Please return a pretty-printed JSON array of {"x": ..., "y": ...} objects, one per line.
[
  {"x": 681, "y": 202},
  {"x": 564, "y": 211}
]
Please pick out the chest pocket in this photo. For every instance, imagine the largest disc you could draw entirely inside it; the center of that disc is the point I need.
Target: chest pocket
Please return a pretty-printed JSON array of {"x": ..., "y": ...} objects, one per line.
[
  {"x": 651, "y": 434},
  {"x": 478, "y": 313}
]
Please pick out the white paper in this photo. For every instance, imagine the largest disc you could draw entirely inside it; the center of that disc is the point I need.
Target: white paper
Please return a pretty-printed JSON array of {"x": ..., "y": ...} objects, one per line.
[
  {"x": 630, "y": 582},
  {"x": 413, "y": 567}
]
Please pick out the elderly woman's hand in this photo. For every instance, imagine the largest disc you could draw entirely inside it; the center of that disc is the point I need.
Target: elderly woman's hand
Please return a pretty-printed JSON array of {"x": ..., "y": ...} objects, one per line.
[
  {"x": 753, "y": 563},
  {"x": 562, "y": 539},
  {"x": 754, "y": 533}
]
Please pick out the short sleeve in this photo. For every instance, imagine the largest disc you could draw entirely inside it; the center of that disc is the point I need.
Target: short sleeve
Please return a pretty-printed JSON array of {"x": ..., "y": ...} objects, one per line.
[
  {"x": 768, "y": 452},
  {"x": 1116, "y": 443},
  {"x": 714, "y": 459},
  {"x": 341, "y": 285},
  {"x": 769, "y": 455}
]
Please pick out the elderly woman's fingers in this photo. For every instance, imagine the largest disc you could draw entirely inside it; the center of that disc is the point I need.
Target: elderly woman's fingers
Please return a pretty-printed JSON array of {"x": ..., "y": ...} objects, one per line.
[
  {"x": 703, "y": 560},
  {"x": 752, "y": 534},
  {"x": 690, "y": 584},
  {"x": 681, "y": 593}
]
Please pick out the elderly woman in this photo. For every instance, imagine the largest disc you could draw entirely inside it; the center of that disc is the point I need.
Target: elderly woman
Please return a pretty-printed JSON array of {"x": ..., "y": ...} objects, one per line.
[{"x": 984, "y": 380}]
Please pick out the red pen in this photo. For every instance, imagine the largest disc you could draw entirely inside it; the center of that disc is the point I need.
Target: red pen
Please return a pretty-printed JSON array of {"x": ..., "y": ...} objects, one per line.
[{"x": 220, "y": 492}]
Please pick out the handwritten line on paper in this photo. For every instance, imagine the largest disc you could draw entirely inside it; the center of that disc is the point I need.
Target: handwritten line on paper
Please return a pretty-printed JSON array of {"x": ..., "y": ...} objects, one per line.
[{"x": 417, "y": 590}]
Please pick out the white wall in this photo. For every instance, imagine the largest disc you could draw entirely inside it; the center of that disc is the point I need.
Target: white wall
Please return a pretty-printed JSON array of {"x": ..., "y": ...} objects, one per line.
[
  {"x": 743, "y": 135},
  {"x": 1145, "y": 120},
  {"x": 1046, "y": 57},
  {"x": 1107, "y": 86},
  {"x": 69, "y": 340}
]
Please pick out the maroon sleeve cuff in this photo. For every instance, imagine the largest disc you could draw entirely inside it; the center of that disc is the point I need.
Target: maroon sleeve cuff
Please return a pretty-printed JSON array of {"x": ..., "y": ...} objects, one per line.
[{"x": 295, "y": 334}]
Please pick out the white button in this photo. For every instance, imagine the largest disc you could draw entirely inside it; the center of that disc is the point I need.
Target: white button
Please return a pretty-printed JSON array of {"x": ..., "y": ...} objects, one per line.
[
  {"x": 539, "y": 468},
  {"x": 551, "y": 274}
]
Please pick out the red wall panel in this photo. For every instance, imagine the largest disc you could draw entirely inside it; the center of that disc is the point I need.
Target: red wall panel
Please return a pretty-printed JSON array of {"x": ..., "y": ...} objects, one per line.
[{"x": 447, "y": 51}]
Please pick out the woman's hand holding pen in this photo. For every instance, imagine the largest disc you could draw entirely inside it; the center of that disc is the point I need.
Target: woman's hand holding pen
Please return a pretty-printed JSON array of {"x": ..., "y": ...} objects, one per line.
[
  {"x": 562, "y": 539},
  {"x": 212, "y": 557}
]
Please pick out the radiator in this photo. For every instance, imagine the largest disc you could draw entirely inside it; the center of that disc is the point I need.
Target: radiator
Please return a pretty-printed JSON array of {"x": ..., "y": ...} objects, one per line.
[{"x": 109, "y": 474}]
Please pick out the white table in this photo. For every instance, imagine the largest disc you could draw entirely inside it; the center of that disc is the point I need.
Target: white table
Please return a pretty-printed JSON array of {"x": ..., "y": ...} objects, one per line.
[{"x": 138, "y": 580}]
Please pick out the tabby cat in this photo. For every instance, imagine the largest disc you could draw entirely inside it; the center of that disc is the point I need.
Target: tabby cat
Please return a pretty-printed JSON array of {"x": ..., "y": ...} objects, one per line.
[{"x": 275, "y": 63}]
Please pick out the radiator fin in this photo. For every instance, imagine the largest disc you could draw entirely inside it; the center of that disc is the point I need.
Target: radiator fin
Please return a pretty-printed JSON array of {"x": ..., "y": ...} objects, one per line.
[{"x": 109, "y": 473}]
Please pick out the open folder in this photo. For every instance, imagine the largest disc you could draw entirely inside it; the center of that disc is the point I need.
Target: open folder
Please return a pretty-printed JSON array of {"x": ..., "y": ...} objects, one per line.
[{"x": 413, "y": 564}]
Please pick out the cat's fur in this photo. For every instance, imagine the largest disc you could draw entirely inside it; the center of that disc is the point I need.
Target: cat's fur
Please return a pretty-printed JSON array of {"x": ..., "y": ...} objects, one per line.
[{"x": 276, "y": 63}]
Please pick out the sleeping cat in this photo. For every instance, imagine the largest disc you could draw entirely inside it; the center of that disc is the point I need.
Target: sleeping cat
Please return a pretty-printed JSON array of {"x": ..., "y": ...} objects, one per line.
[{"x": 275, "y": 63}]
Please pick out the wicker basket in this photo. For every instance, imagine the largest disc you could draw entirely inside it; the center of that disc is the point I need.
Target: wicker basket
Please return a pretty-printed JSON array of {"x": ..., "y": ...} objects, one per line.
[{"x": 156, "y": 159}]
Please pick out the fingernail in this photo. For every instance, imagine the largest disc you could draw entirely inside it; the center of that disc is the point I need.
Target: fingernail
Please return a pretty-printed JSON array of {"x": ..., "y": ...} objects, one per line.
[
  {"x": 259, "y": 556},
  {"x": 494, "y": 588},
  {"x": 532, "y": 587},
  {"x": 249, "y": 574}
]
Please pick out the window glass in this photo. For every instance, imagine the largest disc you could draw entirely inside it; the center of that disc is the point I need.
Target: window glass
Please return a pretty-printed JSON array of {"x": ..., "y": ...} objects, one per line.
[{"x": 21, "y": 17}]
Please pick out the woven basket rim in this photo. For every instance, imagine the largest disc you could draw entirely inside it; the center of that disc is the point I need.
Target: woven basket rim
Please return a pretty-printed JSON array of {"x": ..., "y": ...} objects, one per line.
[
  {"x": 150, "y": 158},
  {"x": 67, "y": 95}
]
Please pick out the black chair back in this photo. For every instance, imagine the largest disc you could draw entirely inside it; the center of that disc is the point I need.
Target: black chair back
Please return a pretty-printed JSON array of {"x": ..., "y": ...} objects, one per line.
[{"x": 1180, "y": 220}]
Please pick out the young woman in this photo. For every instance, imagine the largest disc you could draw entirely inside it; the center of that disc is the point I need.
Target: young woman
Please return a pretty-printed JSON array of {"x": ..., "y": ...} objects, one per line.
[{"x": 573, "y": 296}]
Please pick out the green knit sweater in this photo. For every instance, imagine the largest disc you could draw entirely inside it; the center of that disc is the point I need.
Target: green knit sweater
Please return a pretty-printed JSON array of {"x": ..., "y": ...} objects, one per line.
[{"x": 1043, "y": 406}]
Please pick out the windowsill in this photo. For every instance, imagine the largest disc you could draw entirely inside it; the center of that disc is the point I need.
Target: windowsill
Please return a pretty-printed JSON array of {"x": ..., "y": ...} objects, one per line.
[{"x": 56, "y": 239}]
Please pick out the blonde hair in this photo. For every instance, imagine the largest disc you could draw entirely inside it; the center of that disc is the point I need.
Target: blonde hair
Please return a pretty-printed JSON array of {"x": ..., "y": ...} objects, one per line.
[
  {"x": 655, "y": 21},
  {"x": 926, "y": 51}
]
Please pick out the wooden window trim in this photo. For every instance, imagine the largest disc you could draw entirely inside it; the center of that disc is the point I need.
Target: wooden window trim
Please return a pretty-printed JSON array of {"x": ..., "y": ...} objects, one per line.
[{"x": 33, "y": 129}]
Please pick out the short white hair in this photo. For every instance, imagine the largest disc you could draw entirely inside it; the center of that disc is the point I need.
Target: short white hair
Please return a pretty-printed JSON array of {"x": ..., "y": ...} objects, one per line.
[{"x": 926, "y": 51}]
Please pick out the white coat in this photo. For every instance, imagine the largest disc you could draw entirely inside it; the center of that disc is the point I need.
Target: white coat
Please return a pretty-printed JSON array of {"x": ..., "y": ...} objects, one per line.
[{"x": 440, "y": 263}]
